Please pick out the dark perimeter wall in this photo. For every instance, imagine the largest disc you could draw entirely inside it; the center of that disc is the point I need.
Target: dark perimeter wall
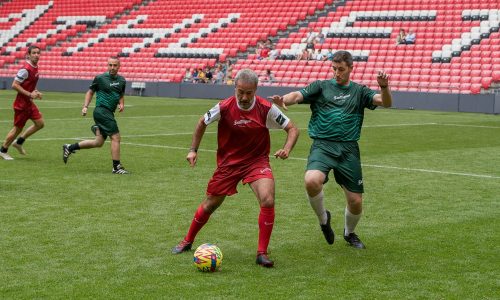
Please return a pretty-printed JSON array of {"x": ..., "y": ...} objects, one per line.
[{"x": 483, "y": 103}]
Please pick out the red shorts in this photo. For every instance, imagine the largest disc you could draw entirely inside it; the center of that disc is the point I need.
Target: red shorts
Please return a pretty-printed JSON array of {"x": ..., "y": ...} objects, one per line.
[
  {"x": 225, "y": 179},
  {"x": 21, "y": 116}
]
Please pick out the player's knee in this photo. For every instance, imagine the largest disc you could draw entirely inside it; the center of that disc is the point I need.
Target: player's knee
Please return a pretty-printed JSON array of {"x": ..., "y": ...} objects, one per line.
[
  {"x": 210, "y": 205},
  {"x": 115, "y": 138},
  {"x": 98, "y": 143},
  {"x": 267, "y": 202},
  {"x": 355, "y": 200},
  {"x": 313, "y": 185}
]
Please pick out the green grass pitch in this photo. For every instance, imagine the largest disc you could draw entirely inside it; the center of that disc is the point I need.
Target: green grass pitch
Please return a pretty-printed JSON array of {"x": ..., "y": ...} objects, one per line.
[{"x": 430, "y": 223}]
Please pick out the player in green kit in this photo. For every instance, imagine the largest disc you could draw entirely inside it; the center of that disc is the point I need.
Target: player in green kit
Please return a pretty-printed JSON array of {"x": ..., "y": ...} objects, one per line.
[
  {"x": 110, "y": 90},
  {"x": 337, "y": 111}
]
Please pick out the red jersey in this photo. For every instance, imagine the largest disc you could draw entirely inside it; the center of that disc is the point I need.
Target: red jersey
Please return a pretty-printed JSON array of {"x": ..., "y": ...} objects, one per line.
[
  {"x": 28, "y": 78},
  {"x": 243, "y": 135}
]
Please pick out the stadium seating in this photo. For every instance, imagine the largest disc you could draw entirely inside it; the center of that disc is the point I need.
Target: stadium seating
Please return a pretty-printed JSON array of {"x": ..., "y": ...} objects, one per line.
[{"x": 457, "y": 47}]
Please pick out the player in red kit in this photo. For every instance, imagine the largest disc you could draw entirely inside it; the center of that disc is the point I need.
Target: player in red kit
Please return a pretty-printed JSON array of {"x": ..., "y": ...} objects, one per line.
[
  {"x": 242, "y": 155},
  {"x": 24, "y": 106}
]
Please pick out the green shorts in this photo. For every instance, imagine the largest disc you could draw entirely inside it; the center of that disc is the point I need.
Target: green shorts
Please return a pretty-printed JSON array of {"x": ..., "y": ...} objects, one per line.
[
  {"x": 105, "y": 120},
  {"x": 341, "y": 157}
]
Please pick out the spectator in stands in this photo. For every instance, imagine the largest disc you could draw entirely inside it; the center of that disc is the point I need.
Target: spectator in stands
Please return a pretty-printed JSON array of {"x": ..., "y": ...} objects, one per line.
[
  {"x": 310, "y": 46},
  {"x": 258, "y": 48},
  {"x": 188, "y": 76},
  {"x": 219, "y": 75},
  {"x": 269, "y": 77},
  {"x": 318, "y": 55},
  {"x": 201, "y": 76},
  {"x": 268, "y": 43},
  {"x": 229, "y": 70},
  {"x": 320, "y": 39},
  {"x": 310, "y": 37},
  {"x": 264, "y": 53},
  {"x": 337, "y": 107},
  {"x": 110, "y": 90},
  {"x": 329, "y": 55},
  {"x": 24, "y": 105},
  {"x": 194, "y": 75},
  {"x": 401, "y": 38},
  {"x": 208, "y": 75},
  {"x": 410, "y": 37},
  {"x": 229, "y": 79},
  {"x": 274, "y": 53},
  {"x": 304, "y": 55}
]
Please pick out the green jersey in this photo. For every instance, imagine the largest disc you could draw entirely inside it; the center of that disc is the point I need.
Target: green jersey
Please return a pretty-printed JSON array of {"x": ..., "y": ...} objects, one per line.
[
  {"x": 337, "y": 111},
  {"x": 109, "y": 90}
]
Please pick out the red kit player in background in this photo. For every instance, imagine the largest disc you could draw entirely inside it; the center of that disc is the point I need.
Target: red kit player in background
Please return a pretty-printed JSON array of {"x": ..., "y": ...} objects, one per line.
[
  {"x": 242, "y": 155},
  {"x": 24, "y": 106}
]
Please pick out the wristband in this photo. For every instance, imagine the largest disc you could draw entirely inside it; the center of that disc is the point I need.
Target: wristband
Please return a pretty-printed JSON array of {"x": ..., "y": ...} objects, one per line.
[{"x": 193, "y": 150}]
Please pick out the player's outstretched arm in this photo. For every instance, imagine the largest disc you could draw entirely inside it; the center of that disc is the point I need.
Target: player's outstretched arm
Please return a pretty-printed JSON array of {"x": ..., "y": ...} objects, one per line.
[
  {"x": 287, "y": 100},
  {"x": 199, "y": 131},
  {"x": 291, "y": 139}
]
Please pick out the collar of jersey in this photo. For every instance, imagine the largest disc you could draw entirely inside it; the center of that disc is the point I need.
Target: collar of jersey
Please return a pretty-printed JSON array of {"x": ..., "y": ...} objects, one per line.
[
  {"x": 345, "y": 87},
  {"x": 29, "y": 62}
]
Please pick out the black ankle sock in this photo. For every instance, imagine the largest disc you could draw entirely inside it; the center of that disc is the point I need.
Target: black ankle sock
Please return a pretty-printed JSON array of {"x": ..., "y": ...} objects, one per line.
[
  {"x": 3, "y": 149},
  {"x": 20, "y": 140},
  {"x": 115, "y": 163},
  {"x": 74, "y": 147}
]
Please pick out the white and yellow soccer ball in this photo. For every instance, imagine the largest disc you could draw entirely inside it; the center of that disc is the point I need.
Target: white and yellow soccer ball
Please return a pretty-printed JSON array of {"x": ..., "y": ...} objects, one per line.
[{"x": 207, "y": 258}]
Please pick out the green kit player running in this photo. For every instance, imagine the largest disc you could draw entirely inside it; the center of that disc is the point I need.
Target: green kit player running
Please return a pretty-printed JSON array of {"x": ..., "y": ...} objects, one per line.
[
  {"x": 110, "y": 89},
  {"x": 337, "y": 111}
]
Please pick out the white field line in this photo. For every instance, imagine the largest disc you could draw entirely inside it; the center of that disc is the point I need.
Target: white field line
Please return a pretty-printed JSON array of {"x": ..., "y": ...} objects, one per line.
[
  {"x": 470, "y": 126},
  {"x": 118, "y": 117},
  {"x": 364, "y": 165},
  {"x": 295, "y": 158},
  {"x": 420, "y": 170}
]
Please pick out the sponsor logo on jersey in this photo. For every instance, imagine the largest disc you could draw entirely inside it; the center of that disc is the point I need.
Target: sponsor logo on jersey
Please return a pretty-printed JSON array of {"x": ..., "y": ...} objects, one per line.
[
  {"x": 341, "y": 97},
  {"x": 114, "y": 84},
  {"x": 242, "y": 122},
  {"x": 340, "y": 100}
]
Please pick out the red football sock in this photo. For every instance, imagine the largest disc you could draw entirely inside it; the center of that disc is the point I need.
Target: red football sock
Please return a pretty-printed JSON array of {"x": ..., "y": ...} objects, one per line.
[
  {"x": 266, "y": 222},
  {"x": 199, "y": 220}
]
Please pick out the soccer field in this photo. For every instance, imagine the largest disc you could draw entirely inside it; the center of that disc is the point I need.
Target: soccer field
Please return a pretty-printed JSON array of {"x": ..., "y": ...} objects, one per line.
[{"x": 430, "y": 223}]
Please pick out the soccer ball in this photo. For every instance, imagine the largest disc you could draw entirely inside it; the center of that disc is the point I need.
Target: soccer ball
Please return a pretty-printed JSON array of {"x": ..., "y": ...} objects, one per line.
[{"x": 207, "y": 258}]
